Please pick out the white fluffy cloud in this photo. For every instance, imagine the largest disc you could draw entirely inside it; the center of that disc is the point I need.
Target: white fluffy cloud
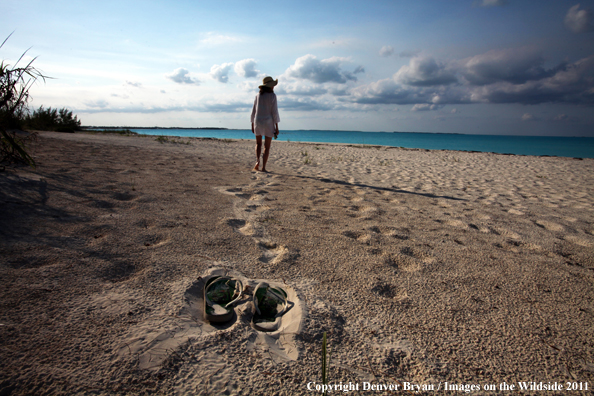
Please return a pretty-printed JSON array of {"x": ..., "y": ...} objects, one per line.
[
  {"x": 579, "y": 21},
  {"x": 221, "y": 72},
  {"x": 300, "y": 88},
  {"x": 181, "y": 76},
  {"x": 310, "y": 68},
  {"x": 386, "y": 51},
  {"x": 246, "y": 68},
  {"x": 423, "y": 71}
]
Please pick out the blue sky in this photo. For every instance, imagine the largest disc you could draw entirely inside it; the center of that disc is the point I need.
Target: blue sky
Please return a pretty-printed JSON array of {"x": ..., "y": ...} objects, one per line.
[{"x": 473, "y": 66}]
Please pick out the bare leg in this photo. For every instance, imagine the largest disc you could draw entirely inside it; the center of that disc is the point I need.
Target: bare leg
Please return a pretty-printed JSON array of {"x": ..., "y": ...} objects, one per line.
[
  {"x": 258, "y": 152},
  {"x": 267, "y": 142}
]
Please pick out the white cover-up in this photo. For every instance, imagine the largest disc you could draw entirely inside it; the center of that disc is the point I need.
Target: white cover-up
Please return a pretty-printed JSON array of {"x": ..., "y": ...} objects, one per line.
[{"x": 265, "y": 114}]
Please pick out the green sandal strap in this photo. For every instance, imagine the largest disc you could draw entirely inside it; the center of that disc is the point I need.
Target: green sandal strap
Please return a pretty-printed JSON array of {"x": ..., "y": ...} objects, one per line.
[
  {"x": 238, "y": 290},
  {"x": 281, "y": 296}
]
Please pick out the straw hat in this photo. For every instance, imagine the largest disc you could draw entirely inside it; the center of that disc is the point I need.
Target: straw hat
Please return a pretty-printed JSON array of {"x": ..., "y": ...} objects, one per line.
[{"x": 268, "y": 82}]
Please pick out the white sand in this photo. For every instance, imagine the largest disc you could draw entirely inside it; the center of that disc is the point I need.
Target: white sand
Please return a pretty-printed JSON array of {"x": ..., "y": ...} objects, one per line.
[{"x": 422, "y": 266}]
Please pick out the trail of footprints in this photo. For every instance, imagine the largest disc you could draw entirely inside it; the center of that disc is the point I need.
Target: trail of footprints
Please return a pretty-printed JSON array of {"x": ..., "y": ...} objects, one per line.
[
  {"x": 251, "y": 206},
  {"x": 250, "y": 216}
]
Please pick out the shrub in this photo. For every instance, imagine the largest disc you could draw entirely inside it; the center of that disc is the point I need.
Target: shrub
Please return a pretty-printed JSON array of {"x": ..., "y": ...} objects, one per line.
[
  {"x": 49, "y": 119},
  {"x": 15, "y": 82}
]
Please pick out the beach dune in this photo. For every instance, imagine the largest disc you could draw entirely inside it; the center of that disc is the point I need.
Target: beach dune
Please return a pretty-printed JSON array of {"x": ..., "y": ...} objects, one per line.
[{"x": 423, "y": 267}]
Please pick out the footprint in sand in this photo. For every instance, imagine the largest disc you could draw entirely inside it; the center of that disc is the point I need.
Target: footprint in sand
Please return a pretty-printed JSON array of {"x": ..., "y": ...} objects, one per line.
[
  {"x": 145, "y": 223},
  {"x": 357, "y": 235},
  {"x": 236, "y": 223},
  {"x": 154, "y": 241},
  {"x": 403, "y": 262},
  {"x": 246, "y": 224},
  {"x": 580, "y": 240},
  {"x": 456, "y": 223},
  {"x": 117, "y": 271},
  {"x": 549, "y": 225},
  {"x": 125, "y": 197},
  {"x": 384, "y": 289},
  {"x": 272, "y": 253}
]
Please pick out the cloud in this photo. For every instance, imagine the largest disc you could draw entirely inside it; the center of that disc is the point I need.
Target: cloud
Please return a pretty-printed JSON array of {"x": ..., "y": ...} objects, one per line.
[
  {"x": 304, "y": 104},
  {"x": 217, "y": 39},
  {"x": 492, "y": 3},
  {"x": 424, "y": 72},
  {"x": 300, "y": 88},
  {"x": 101, "y": 104},
  {"x": 310, "y": 68},
  {"x": 181, "y": 76},
  {"x": 573, "y": 83},
  {"x": 387, "y": 91},
  {"x": 234, "y": 106},
  {"x": 220, "y": 72},
  {"x": 561, "y": 117},
  {"x": 579, "y": 21},
  {"x": 246, "y": 68},
  {"x": 527, "y": 117},
  {"x": 133, "y": 84},
  {"x": 408, "y": 54},
  {"x": 505, "y": 76},
  {"x": 425, "y": 107},
  {"x": 359, "y": 69},
  {"x": 386, "y": 50},
  {"x": 516, "y": 66}
]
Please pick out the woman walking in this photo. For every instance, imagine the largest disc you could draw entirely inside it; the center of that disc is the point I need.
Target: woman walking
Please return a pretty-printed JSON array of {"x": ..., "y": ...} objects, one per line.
[{"x": 265, "y": 120}]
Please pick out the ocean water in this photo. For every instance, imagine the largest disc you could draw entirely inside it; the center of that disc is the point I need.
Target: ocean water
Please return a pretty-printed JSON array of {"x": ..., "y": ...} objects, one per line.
[{"x": 579, "y": 147}]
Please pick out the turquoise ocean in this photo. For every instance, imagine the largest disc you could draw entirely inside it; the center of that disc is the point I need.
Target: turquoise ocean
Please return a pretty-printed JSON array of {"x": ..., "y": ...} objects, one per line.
[{"x": 578, "y": 147}]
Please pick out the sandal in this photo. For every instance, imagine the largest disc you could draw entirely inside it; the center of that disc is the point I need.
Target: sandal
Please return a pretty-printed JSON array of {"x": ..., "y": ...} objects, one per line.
[
  {"x": 220, "y": 293},
  {"x": 270, "y": 303}
]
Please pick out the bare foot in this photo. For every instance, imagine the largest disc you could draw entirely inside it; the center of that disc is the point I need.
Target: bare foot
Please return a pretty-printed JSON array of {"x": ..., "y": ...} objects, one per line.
[
  {"x": 264, "y": 170},
  {"x": 256, "y": 167}
]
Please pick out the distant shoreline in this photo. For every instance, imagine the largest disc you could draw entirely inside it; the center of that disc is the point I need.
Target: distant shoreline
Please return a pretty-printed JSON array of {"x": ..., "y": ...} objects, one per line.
[
  {"x": 86, "y": 127},
  {"x": 90, "y": 127}
]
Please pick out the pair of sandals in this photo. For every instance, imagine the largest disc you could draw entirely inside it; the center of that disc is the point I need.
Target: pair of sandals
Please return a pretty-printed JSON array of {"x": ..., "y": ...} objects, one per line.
[{"x": 222, "y": 292}]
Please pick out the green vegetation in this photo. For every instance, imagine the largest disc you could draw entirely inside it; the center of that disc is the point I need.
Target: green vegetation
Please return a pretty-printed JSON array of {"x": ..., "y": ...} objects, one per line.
[
  {"x": 174, "y": 140},
  {"x": 15, "y": 82},
  {"x": 325, "y": 363},
  {"x": 49, "y": 119}
]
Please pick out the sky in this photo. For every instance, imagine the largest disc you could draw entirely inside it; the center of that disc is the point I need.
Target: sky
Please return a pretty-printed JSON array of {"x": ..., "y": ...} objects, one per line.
[{"x": 505, "y": 67}]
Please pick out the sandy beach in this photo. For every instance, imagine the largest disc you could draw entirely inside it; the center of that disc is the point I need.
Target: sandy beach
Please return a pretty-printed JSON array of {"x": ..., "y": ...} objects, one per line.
[{"x": 438, "y": 269}]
